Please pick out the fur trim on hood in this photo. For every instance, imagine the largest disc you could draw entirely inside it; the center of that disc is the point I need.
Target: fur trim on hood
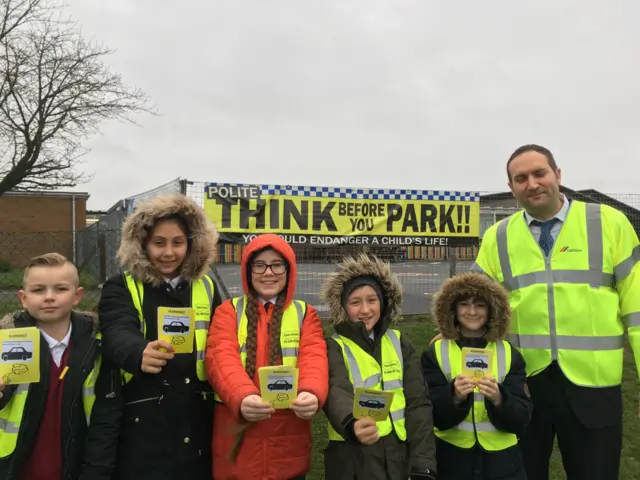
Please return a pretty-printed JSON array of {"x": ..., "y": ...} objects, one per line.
[
  {"x": 363, "y": 265},
  {"x": 203, "y": 237},
  {"x": 9, "y": 320},
  {"x": 467, "y": 285}
]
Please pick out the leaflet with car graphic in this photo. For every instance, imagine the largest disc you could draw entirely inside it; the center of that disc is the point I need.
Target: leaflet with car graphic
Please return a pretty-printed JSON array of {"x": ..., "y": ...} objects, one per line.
[
  {"x": 374, "y": 404},
  {"x": 278, "y": 385},
  {"x": 175, "y": 326},
  {"x": 20, "y": 355},
  {"x": 477, "y": 362}
]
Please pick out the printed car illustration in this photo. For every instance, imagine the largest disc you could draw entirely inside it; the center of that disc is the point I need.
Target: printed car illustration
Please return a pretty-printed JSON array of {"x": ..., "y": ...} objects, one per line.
[
  {"x": 477, "y": 363},
  {"x": 280, "y": 385},
  {"x": 17, "y": 353},
  {"x": 175, "y": 327},
  {"x": 371, "y": 404}
]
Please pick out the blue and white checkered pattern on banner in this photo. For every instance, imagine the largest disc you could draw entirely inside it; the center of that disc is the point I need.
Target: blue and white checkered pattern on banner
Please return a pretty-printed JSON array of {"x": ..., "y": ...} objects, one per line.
[{"x": 361, "y": 193}]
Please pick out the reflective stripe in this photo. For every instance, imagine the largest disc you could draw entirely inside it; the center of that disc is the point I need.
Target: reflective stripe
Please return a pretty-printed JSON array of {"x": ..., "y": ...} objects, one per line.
[
  {"x": 623, "y": 269},
  {"x": 632, "y": 319},
  {"x": 594, "y": 241},
  {"x": 395, "y": 341},
  {"x": 242, "y": 348},
  {"x": 502, "y": 361},
  {"x": 209, "y": 289},
  {"x": 200, "y": 355},
  {"x": 477, "y": 268},
  {"x": 289, "y": 352},
  {"x": 393, "y": 384},
  {"x": 9, "y": 427},
  {"x": 479, "y": 427},
  {"x": 202, "y": 325},
  {"x": 566, "y": 342},
  {"x": 478, "y": 397},
  {"x": 595, "y": 279},
  {"x": 397, "y": 415},
  {"x": 444, "y": 358},
  {"x": 239, "y": 311},
  {"x": 300, "y": 313}
]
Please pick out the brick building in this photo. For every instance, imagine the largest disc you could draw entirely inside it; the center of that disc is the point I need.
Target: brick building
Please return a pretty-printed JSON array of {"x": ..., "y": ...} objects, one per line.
[{"x": 33, "y": 223}]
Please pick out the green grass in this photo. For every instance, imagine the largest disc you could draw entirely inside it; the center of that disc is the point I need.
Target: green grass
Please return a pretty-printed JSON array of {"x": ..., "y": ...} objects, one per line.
[
  {"x": 420, "y": 331},
  {"x": 12, "y": 279}
]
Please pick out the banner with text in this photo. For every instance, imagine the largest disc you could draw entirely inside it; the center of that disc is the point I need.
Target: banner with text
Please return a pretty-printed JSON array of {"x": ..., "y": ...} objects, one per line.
[{"x": 328, "y": 216}]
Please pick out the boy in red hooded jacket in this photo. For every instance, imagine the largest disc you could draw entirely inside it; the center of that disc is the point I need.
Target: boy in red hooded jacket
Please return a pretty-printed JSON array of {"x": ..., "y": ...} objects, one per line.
[{"x": 251, "y": 439}]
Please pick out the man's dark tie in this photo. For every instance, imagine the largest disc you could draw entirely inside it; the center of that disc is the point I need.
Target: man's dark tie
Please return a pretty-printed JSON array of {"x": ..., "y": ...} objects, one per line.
[{"x": 546, "y": 240}]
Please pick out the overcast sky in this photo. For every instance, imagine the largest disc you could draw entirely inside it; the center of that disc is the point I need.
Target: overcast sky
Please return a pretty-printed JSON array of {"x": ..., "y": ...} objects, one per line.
[{"x": 396, "y": 94}]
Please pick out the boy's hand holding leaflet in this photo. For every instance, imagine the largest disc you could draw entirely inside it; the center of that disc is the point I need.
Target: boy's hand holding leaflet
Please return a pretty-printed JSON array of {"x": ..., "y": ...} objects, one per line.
[
  {"x": 305, "y": 406},
  {"x": 366, "y": 431},
  {"x": 154, "y": 358}
]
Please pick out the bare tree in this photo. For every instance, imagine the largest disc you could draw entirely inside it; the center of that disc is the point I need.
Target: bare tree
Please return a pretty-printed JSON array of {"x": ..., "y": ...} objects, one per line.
[{"x": 55, "y": 90}]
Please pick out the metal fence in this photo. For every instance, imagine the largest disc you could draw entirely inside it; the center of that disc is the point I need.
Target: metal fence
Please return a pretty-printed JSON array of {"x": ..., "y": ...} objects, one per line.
[{"x": 421, "y": 270}]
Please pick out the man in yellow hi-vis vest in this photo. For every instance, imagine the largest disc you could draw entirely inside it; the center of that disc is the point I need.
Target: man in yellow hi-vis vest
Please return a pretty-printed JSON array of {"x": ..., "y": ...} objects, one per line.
[{"x": 571, "y": 270}]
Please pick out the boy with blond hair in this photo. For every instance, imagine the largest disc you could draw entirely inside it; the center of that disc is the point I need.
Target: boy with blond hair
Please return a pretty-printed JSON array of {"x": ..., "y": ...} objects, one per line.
[{"x": 45, "y": 428}]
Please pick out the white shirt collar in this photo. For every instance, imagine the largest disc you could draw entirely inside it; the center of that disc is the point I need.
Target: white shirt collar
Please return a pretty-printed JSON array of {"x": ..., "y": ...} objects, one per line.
[
  {"x": 55, "y": 343},
  {"x": 561, "y": 215},
  {"x": 271, "y": 300},
  {"x": 173, "y": 281}
]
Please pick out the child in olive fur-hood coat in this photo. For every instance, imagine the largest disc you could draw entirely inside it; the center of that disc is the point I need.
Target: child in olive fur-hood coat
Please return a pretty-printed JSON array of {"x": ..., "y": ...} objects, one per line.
[{"x": 389, "y": 458}]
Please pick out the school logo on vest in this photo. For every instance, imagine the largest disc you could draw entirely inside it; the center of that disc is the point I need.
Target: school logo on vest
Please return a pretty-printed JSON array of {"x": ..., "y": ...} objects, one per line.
[{"x": 567, "y": 248}]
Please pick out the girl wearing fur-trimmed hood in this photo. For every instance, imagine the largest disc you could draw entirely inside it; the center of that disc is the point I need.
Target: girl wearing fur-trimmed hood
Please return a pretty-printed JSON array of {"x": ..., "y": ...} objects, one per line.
[
  {"x": 364, "y": 298},
  {"x": 471, "y": 310},
  {"x": 167, "y": 247}
]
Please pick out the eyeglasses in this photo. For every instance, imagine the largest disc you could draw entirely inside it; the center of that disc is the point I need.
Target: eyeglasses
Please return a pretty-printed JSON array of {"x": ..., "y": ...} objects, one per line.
[{"x": 277, "y": 268}]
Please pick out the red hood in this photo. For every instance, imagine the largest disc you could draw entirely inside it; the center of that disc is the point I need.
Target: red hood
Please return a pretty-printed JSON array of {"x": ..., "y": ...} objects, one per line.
[{"x": 276, "y": 242}]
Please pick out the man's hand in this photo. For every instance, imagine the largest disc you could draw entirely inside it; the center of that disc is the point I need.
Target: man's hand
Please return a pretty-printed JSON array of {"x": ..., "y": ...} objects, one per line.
[
  {"x": 305, "y": 406},
  {"x": 254, "y": 409},
  {"x": 153, "y": 359},
  {"x": 462, "y": 387},
  {"x": 366, "y": 431},
  {"x": 488, "y": 386}
]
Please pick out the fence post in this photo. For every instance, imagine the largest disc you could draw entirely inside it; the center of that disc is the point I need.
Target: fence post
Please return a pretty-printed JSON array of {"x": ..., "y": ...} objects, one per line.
[{"x": 453, "y": 261}]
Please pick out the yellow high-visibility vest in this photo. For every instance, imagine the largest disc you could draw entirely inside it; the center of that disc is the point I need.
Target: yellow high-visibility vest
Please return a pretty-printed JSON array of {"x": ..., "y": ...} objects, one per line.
[
  {"x": 477, "y": 423},
  {"x": 11, "y": 416},
  {"x": 202, "y": 291},
  {"x": 364, "y": 371},
  {"x": 292, "y": 319},
  {"x": 567, "y": 307}
]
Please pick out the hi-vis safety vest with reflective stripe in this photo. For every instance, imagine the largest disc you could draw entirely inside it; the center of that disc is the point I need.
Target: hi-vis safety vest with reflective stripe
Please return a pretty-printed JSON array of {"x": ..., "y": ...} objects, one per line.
[
  {"x": 11, "y": 415},
  {"x": 290, "y": 326},
  {"x": 364, "y": 371},
  {"x": 565, "y": 307},
  {"x": 477, "y": 423},
  {"x": 201, "y": 302}
]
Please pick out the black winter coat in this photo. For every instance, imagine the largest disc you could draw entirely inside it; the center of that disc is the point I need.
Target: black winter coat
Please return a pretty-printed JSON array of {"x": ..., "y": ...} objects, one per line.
[
  {"x": 88, "y": 453},
  {"x": 513, "y": 416},
  {"x": 167, "y": 419}
]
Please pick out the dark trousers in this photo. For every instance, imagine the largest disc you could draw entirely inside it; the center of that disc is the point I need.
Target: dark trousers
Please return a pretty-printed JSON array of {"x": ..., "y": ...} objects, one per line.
[{"x": 588, "y": 453}]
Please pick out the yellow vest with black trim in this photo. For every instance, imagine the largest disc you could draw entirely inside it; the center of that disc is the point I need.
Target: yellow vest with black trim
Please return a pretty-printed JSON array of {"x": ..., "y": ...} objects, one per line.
[
  {"x": 476, "y": 426},
  {"x": 567, "y": 307},
  {"x": 202, "y": 291},
  {"x": 364, "y": 371},
  {"x": 290, "y": 327},
  {"x": 11, "y": 416}
]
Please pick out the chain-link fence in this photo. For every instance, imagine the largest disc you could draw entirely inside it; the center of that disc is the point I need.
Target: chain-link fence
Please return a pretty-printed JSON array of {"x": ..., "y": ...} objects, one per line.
[{"x": 421, "y": 270}]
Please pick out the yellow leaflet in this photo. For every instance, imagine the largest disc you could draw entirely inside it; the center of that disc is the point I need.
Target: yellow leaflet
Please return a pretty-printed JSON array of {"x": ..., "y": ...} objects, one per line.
[
  {"x": 20, "y": 355},
  {"x": 374, "y": 404},
  {"x": 175, "y": 326},
  {"x": 278, "y": 385},
  {"x": 477, "y": 363}
]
